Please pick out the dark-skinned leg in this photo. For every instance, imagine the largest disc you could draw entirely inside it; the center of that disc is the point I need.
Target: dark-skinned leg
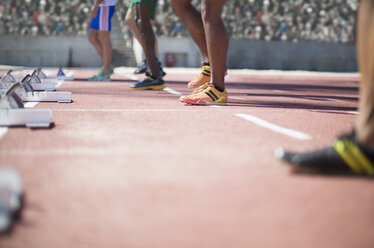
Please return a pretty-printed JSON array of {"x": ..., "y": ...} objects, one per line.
[
  {"x": 147, "y": 37},
  {"x": 352, "y": 153},
  {"x": 365, "y": 51},
  {"x": 216, "y": 39},
  {"x": 191, "y": 19}
]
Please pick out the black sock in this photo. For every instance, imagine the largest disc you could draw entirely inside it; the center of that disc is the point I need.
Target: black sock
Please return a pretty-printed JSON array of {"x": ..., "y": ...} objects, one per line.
[
  {"x": 219, "y": 88},
  {"x": 153, "y": 77}
]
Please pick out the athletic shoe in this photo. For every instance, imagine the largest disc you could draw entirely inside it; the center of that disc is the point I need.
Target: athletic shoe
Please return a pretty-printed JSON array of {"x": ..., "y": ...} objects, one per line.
[
  {"x": 345, "y": 156},
  {"x": 201, "y": 88},
  {"x": 162, "y": 72},
  {"x": 100, "y": 78},
  {"x": 149, "y": 83},
  {"x": 141, "y": 68},
  {"x": 202, "y": 78},
  {"x": 111, "y": 71},
  {"x": 210, "y": 95}
]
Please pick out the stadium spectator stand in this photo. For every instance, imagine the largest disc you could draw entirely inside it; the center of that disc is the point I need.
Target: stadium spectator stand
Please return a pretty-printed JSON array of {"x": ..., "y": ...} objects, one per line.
[{"x": 269, "y": 20}]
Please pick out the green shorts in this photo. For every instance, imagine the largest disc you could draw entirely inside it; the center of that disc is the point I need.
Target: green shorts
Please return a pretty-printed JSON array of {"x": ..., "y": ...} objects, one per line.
[{"x": 150, "y": 3}]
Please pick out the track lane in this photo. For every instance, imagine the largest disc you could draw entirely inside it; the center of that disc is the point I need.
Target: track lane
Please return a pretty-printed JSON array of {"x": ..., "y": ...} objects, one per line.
[{"x": 138, "y": 169}]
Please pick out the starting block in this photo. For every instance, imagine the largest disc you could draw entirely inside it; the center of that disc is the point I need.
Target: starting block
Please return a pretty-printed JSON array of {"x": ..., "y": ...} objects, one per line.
[
  {"x": 60, "y": 75},
  {"x": 43, "y": 84},
  {"x": 12, "y": 112},
  {"x": 27, "y": 92},
  {"x": 49, "y": 85},
  {"x": 11, "y": 197},
  {"x": 45, "y": 96},
  {"x": 33, "y": 118}
]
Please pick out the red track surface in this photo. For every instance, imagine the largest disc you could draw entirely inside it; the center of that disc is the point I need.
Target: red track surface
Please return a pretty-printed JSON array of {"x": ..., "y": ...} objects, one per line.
[{"x": 124, "y": 168}]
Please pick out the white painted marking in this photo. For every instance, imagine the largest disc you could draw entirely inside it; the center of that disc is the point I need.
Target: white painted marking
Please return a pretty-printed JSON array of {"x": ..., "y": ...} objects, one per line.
[
  {"x": 3, "y": 131},
  {"x": 30, "y": 104},
  {"x": 275, "y": 128},
  {"x": 171, "y": 91},
  {"x": 353, "y": 112},
  {"x": 122, "y": 110},
  {"x": 236, "y": 98},
  {"x": 132, "y": 77},
  {"x": 215, "y": 106},
  {"x": 176, "y": 70},
  {"x": 59, "y": 83},
  {"x": 70, "y": 74},
  {"x": 334, "y": 100}
]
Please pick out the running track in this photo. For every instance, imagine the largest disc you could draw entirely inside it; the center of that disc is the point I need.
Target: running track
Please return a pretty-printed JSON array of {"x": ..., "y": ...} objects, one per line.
[{"x": 124, "y": 168}]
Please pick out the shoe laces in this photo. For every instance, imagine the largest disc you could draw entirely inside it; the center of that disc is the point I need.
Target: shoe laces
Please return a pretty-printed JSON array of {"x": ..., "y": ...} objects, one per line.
[{"x": 201, "y": 88}]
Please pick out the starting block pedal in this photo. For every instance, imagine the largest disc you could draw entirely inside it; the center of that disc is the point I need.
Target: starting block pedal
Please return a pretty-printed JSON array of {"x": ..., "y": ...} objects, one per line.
[
  {"x": 28, "y": 94},
  {"x": 46, "y": 96},
  {"x": 12, "y": 112},
  {"x": 60, "y": 75},
  {"x": 44, "y": 84},
  {"x": 33, "y": 118},
  {"x": 37, "y": 84},
  {"x": 11, "y": 198}
]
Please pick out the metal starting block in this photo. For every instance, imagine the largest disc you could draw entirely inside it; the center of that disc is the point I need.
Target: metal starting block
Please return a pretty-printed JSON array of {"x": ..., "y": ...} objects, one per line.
[
  {"x": 11, "y": 197},
  {"x": 46, "y": 96},
  {"x": 60, "y": 75},
  {"x": 12, "y": 112},
  {"x": 44, "y": 84},
  {"x": 33, "y": 118},
  {"x": 27, "y": 92},
  {"x": 37, "y": 84}
]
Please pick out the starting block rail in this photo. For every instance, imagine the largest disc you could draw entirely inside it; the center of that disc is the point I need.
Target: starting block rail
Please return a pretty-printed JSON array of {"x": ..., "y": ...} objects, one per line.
[
  {"x": 11, "y": 198},
  {"x": 46, "y": 96},
  {"x": 40, "y": 96},
  {"x": 33, "y": 118},
  {"x": 28, "y": 93}
]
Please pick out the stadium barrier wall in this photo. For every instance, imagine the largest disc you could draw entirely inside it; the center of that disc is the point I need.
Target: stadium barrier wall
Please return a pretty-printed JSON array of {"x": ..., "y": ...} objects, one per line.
[
  {"x": 52, "y": 51},
  {"x": 76, "y": 51}
]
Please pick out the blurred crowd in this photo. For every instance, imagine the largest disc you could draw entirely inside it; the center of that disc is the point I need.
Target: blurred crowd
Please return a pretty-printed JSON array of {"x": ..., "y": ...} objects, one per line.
[
  {"x": 284, "y": 20},
  {"x": 45, "y": 17}
]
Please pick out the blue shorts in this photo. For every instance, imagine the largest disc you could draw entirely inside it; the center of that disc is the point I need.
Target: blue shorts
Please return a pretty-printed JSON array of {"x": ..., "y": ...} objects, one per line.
[{"x": 103, "y": 19}]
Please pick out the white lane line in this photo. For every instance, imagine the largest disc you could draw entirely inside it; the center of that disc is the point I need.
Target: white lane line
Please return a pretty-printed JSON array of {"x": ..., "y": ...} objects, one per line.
[
  {"x": 3, "y": 131},
  {"x": 167, "y": 89},
  {"x": 171, "y": 91},
  {"x": 132, "y": 77},
  {"x": 275, "y": 128},
  {"x": 59, "y": 83},
  {"x": 236, "y": 98},
  {"x": 30, "y": 104},
  {"x": 122, "y": 110},
  {"x": 70, "y": 74},
  {"x": 334, "y": 100},
  {"x": 353, "y": 112}
]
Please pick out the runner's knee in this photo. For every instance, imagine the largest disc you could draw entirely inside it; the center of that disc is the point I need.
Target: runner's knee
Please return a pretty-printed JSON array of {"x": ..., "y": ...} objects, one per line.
[
  {"x": 92, "y": 38},
  {"x": 209, "y": 12}
]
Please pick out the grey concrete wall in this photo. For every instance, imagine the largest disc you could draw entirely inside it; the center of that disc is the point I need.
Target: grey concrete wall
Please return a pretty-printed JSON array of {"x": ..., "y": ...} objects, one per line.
[
  {"x": 272, "y": 55},
  {"x": 47, "y": 51},
  {"x": 76, "y": 51},
  {"x": 292, "y": 56}
]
